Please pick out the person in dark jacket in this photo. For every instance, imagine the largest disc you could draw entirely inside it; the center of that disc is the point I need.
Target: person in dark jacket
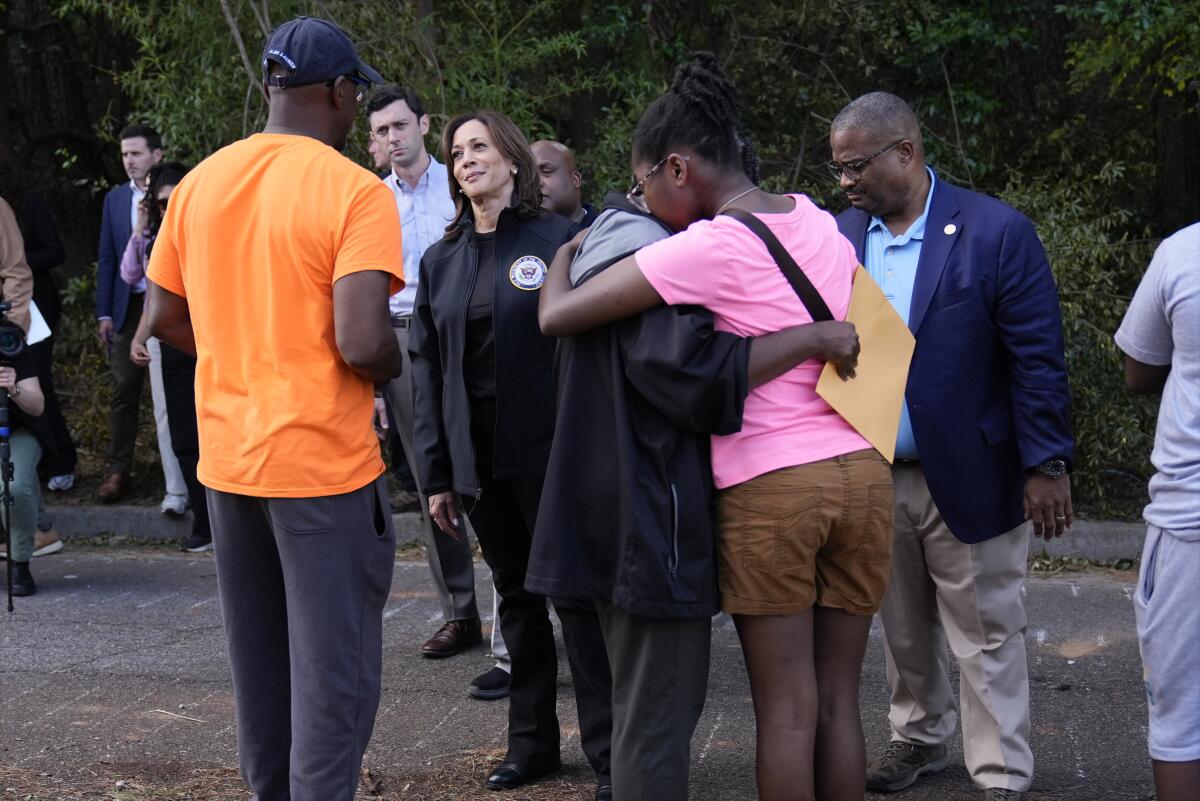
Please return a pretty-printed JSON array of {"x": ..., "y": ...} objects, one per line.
[
  {"x": 626, "y": 515},
  {"x": 805, "y": 502},
  {"x": 484, "y": 420}
]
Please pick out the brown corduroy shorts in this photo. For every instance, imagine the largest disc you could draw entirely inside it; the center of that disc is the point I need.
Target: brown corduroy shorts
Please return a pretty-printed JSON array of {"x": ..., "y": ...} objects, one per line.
[{"x": 818, "y": 533}]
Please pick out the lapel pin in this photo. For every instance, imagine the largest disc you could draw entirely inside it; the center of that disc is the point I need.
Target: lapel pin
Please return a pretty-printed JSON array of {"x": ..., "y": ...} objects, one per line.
[{"x": 950, "y": 229}]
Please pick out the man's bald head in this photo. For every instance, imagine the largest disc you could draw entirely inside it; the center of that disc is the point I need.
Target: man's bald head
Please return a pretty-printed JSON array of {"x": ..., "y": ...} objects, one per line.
[
  {"x": 880, "y": 117},
  {"x": 878, "y": 156},
  {"x": 561, "y": 179}
]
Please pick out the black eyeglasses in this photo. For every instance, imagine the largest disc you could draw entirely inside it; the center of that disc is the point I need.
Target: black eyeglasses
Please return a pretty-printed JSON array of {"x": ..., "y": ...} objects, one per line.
[
  {"x": 854, "y": 169},
  {"x": 636, "y": 193},
  {"x": 359, "y": 82}
]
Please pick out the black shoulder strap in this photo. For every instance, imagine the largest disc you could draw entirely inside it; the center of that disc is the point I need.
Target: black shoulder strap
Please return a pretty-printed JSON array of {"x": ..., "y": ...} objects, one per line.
[{"x": 808, "y": 293}]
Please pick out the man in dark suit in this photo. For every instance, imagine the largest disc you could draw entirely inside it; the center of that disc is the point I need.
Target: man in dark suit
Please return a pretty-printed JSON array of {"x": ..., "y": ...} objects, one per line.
[
  {"x": 982, "y": 453},
  {"x": 119, "y": 305}
]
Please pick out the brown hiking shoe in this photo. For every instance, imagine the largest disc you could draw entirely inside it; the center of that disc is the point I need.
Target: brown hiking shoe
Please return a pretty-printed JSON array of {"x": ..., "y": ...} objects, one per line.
[
  {"x": 112, "y": 487},
  {"x": 902, "y": 764}
]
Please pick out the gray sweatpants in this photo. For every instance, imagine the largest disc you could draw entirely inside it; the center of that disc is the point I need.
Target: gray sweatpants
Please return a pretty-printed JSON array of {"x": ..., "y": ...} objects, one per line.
[
  {"x": 659, "y": 681},
  {"x": 303, "y": 582}
]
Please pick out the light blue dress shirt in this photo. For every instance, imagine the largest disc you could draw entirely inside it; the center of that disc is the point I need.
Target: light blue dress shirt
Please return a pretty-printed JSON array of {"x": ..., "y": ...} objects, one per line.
[
  {"x": 425, "y": 211},
  {"x": 892, "y": 262}
]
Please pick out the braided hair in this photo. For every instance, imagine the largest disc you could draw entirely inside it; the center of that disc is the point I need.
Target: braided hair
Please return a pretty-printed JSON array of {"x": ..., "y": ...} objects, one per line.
[{"x": 702, "y": 110}]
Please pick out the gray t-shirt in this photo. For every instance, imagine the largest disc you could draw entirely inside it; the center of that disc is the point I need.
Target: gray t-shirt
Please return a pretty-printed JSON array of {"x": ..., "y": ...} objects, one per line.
[{"x": 1162, "y": 327}]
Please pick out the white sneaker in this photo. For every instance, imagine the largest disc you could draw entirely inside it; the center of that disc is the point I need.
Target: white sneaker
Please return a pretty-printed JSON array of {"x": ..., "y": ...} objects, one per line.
[
  {"x": 173, "y": 505},
  {"x": 61, "y": 483}
]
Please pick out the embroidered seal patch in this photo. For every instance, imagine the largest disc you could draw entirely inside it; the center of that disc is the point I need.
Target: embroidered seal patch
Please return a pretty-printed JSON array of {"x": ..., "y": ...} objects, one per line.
[{"x": 528, "y": 273}]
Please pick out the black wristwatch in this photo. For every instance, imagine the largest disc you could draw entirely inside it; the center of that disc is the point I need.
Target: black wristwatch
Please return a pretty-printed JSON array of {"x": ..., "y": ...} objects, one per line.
[{"x": 1052, "y": 468}]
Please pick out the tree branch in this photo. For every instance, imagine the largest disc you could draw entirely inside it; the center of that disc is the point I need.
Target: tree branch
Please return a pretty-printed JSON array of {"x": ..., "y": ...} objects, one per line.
[
  {"x": 251, "y": 74},
  {"x": 264, "y": 21},
  {"x": 957, "y": 132}
]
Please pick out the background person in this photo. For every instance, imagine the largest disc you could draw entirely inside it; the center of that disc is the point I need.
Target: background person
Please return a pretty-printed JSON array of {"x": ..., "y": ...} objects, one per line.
[
  {"x": 119, "y": 305},
  {"x": 421, "y": 188},
  {"x": 178, "y": 368},
  {"x": 144, "y": 350},
  {"x": 43, "y": 252},
  {"x": 273, "y": 265},
  {"x": 484, "y": 422},
  {"x": 804, "y": 501},
  {"x": 19, "y": 379},
  {"x": 562, "y": 182},
  {"x": 1160, "y": 336},
  {"x": 984, "y": 445}
]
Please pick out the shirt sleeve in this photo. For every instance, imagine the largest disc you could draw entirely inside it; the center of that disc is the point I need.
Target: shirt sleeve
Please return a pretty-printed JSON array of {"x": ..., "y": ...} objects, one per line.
[
  {"x": 687, "y": 268},
  {"x": 1145, "y": 333},
  {"x": 24, "y": 365},
  {"x": 165, "y": 268},
  {"x": 371, "y": 238}
]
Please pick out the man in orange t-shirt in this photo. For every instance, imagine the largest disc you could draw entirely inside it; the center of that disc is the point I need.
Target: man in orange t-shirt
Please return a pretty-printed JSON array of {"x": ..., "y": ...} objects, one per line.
[{"x": 274, "y": 265}]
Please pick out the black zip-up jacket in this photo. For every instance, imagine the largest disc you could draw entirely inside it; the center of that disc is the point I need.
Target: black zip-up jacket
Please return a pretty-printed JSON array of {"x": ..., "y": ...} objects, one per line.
[
  {"x": 626, "y": 510},
  {"x": 444, "y": 453}
]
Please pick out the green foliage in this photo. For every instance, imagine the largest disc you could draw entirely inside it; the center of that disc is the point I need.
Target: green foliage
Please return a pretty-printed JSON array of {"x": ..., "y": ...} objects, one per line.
[
  {"x": 1043, "y": 104},
  {"x": 1146, "y": 46}
]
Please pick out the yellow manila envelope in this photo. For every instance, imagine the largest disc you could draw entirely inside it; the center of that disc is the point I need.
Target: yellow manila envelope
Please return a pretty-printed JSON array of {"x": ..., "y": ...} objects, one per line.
[{"x": 871, "y": 400}]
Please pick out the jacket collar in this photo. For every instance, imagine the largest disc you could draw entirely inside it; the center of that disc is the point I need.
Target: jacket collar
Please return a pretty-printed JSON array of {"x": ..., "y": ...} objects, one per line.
[
  {"x": 507, "y": 215},
  {"x": 941, "y": 232}
]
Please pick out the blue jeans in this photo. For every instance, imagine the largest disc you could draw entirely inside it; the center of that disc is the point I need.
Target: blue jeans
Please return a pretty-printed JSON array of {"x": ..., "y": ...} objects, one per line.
[{"x": 26, "y": 452}]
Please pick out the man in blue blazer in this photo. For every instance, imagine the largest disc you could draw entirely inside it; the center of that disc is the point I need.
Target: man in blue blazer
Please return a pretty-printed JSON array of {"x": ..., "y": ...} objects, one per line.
[
  {"x": 119, "y": 306},
  {"x": 983, "y": 450}
]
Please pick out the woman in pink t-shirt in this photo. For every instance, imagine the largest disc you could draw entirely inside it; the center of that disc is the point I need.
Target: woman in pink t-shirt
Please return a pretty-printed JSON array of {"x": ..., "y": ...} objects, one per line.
[{"x": 805, "y": 503}]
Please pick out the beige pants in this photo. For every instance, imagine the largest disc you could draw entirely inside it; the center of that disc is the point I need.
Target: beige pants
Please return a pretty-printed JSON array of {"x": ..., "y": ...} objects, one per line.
[{"x": 970, "y": 595}]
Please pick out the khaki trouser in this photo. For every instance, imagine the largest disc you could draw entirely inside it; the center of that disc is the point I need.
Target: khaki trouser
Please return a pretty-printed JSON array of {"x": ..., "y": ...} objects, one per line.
[{"x": 943, "y": 589}]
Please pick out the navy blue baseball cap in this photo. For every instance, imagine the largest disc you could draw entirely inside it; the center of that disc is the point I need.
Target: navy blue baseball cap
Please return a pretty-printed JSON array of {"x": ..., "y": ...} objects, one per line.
[{"x": 314, "y": 51}]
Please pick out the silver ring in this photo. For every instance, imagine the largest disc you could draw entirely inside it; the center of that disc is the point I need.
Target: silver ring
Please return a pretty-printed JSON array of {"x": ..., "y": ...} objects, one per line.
[{"x": 1057, "y": 517}]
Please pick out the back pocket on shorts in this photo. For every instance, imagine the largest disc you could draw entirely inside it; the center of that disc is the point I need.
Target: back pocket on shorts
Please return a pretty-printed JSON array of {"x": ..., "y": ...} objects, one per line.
[
  {"x": 781, "y": 530},
  {"x": 875, "y": 539}
]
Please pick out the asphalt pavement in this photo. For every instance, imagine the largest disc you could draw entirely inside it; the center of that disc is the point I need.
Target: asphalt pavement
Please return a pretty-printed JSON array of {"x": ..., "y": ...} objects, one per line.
[{"x": 114, "y": 680}]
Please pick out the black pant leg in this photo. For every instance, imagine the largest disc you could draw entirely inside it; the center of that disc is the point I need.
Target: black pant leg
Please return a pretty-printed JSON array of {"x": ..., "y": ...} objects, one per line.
[
  {"x": 588, "y": 658},
  {"x": 127, "y": 391},
  {"x": 58, "y": 449},
  {"x": 502, "y": 518},
  {"x": 179, "y": 387},
  {"x": 586, "y": 654}
]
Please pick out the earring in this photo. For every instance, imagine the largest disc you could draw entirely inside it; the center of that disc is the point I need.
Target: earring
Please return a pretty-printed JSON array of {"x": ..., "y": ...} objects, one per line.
[{"x": 514, "y": 170}]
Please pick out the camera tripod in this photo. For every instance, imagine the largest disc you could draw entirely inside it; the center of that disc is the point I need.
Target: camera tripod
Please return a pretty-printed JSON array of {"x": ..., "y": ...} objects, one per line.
[{"x": 6, "y": 498}]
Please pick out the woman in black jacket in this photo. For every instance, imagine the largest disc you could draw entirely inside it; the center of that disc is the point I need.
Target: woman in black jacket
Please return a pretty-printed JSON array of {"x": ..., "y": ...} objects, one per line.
[{"x": 484, "y": 421}]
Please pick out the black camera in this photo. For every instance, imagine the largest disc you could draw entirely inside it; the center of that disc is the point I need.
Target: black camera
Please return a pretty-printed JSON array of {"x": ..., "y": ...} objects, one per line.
[{"x": 12, "y": 338}]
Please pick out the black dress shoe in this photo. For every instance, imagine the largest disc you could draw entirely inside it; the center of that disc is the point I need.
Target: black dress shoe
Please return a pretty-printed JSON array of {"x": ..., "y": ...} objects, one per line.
[
  {"x": 22, "y": 580},
  {"x": 511, "y": 775},
  {"x": 604, "y": 792},
  {"x": 452, "y": 638}
]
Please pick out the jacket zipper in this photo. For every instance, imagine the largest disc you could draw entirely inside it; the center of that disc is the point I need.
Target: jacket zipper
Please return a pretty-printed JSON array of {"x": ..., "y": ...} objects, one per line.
[
  {"x": 495, "y": 299},
  {"x": 673, "y": 561},
  {"x": 466, "y": 305}
]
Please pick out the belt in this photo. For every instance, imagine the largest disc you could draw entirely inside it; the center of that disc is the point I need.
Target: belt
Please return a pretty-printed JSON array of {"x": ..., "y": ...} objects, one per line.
[{"x": 402, "y": 321}]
